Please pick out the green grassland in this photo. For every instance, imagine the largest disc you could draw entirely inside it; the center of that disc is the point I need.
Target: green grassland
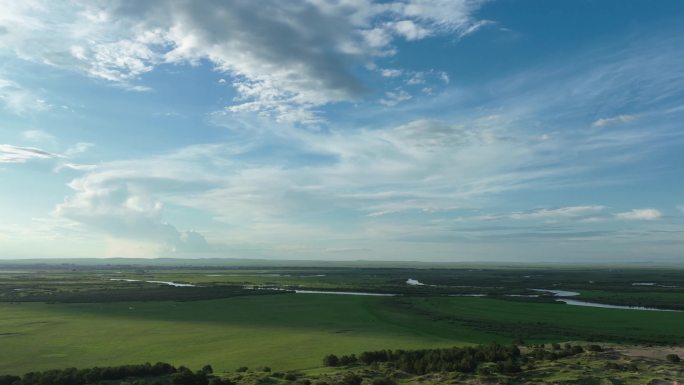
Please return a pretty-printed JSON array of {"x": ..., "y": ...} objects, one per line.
[
  {"x": 293, "y": 331},
  {"x": 656, "y": 297},
  {"x": 282, "y": 331},
  {"x": 57, "y": 316}
]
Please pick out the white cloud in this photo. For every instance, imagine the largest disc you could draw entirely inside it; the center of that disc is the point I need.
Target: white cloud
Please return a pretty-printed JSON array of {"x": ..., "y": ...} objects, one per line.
[
  {"x": 78, "y": 148},
  {"x": 365, "y": 175},
  {"x": 620, "y": 119},
  {"x": 390, "y": 72},
  {"x": 119, "y": 200},
  {"x": 37, "y": 136},
  {"x": 417, "y": 78},
  {"x": 421, "y": 77},
  {"x": 277, "y": 66},
  {"x": 559, "y": 213},
  {"x": 421, "y": 167},
  {"x": 444, "y": 15},
  {"x": 19, "y": 100},
  {"x": 75, "y": 167},
  {"x": 392, "y": 98},
  {"x": 410, "y": 30},
  {"x": 16, "y": 154},
  {"x": 639, "y": 214}
]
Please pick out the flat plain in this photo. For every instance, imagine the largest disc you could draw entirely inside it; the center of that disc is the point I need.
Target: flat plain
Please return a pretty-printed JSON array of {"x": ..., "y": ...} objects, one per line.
[{"x": 79, "y": 326}]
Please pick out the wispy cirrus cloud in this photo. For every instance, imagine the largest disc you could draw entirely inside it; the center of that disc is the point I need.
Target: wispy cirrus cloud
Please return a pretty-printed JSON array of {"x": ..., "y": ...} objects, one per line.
[
  {"x": 38, "y": 136},
  {"x": 569, "y": 212},
  {"x": 421, "y": 168},
  {"x": 17, "y": 154},
  {"x": 19, "y": 100},
  {"x": 418, "y": 169}
]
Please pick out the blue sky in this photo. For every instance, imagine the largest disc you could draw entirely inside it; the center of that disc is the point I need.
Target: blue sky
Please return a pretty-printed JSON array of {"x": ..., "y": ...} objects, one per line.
[{"x": 460, "y": 130}]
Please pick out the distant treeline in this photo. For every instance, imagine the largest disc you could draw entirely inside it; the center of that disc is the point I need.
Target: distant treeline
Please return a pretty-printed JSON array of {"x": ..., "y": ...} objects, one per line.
[
  {"x": 134, "y": 293},
  {"x": 73, "y": 376}
]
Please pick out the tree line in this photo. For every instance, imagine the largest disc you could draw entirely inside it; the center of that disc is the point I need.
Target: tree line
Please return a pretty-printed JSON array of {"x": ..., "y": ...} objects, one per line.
[
  {"x": 465, "y": 360},
  {"x": 73, "y": 376},
  {"x": 482, "y": 359}
]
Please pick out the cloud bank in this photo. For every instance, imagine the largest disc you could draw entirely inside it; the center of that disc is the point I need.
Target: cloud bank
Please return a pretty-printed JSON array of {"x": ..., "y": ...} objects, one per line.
[{"x": 284, "y": 59}]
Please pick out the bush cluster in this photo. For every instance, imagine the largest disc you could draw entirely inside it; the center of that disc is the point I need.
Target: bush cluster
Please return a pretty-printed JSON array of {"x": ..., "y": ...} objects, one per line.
[
  {"x": 673, "y": 358},
  {"x": 540, "y": 353},
  {"x": 333, "y": 360},
  {"x": 73, "y": 376},
  {"x": 438, "y": 360}
]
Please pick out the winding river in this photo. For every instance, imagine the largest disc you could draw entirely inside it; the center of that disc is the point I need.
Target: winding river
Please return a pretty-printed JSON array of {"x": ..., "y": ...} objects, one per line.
[
  {"x": 176, "y": 284},
  {"x": 562, "y": 295}
]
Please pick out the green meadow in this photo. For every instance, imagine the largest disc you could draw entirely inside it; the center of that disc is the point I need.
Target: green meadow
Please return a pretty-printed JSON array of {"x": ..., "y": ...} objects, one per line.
[{"x": 294, "y": 331}]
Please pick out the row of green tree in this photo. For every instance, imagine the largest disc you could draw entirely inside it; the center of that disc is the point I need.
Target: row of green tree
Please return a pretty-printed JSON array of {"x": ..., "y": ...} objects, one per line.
[
  {"x": 73, "y": 376},
  {"x": 131, "y": 292},
  {"x": 502, "y": 358},
  {"x": 466, "y": 360}
]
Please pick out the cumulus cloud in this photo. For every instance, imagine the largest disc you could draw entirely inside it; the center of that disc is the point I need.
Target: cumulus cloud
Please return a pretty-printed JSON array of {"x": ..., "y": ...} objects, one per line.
[
  {"x": 410, "y": 30},
  {"x": 639, "y": 215},
  {"x": 123, "y": 208},
  {"x": 620, "y": 119},
  {"x": 283, "y": 59}
]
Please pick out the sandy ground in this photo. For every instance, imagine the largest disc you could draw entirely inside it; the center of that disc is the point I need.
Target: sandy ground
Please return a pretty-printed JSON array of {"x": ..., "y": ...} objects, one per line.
[{"x": 652, "y": 352}]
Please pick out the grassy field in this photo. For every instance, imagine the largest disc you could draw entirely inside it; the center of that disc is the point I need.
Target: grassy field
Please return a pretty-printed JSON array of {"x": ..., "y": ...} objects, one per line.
[
  {"x": 537, "y": 322},
  {"x": 291, "y": 331},
  {"x": 282, "y": 331}
]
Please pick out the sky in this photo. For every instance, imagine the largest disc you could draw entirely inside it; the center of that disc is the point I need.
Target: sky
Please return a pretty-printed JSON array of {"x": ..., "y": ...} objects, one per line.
[{"x": 445, "y": 130}]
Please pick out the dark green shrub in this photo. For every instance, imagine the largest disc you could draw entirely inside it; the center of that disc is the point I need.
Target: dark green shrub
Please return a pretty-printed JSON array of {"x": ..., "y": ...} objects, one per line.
[
  {"x": 331, "y": 360},
  {"x": 9, "y": 380},
  {"x": 672, "y": 358},
  {"x": 348, "y": 360},
  {"x": 351, "y": 379},
  {"x": 384, "y": 381}
]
